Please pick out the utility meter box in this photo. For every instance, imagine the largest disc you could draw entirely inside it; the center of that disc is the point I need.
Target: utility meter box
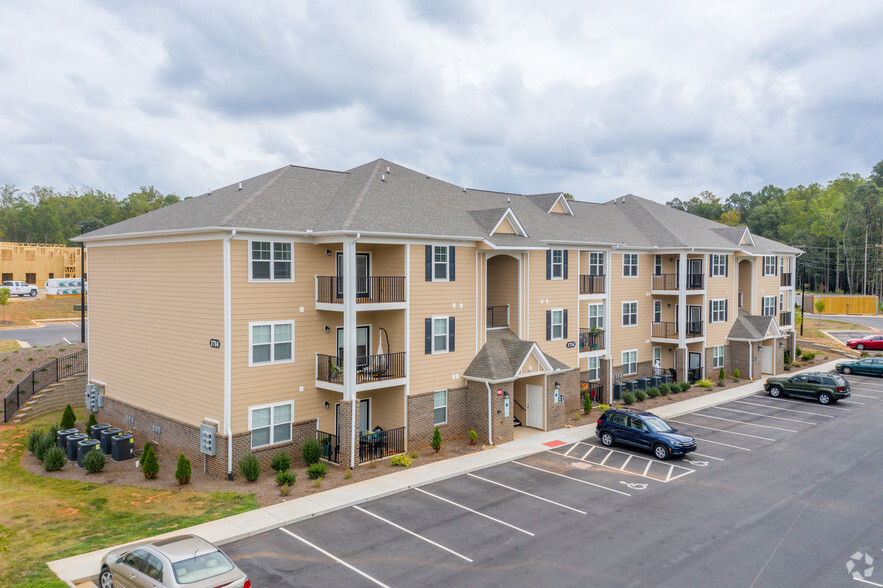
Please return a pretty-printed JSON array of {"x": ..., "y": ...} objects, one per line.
[{"x": 208, "y": 439}]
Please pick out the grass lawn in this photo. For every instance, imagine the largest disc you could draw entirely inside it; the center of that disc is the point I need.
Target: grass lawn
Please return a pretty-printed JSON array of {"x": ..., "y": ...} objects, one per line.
[
  {"x": 8, "y": 345},
  {"x": 42, "y": 519},
  {"x": 22, "y": 312},
  {"x": 812, "y": 328}
]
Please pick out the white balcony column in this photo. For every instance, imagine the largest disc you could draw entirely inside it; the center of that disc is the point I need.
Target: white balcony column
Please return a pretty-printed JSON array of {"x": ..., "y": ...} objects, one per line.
[
  {"x": 681, "y": 317},
  {"x": 349, "y": 320}
]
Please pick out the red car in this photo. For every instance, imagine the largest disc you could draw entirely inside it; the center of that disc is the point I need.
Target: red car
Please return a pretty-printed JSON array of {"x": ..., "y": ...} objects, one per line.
[{"x": 866, "y": 342}]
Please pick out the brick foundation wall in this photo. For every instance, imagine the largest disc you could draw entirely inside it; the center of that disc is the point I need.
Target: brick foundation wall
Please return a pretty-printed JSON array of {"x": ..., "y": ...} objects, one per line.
[
  {"x": 421, "y": 422},
  {"x": 504, "y": 427},
  {"x": 569, "y": 381},
  {"x": 681, "y": 363},
  {"x": 712, "y": 373},
  {"x": 476, "y": 400},
  {"x": 739, "y": 353},
  {"x": 54, "y": 397},
  {"x": 606, "y": 381}
]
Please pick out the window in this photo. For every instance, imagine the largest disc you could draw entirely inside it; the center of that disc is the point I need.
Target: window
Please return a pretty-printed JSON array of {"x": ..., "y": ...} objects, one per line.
[
  {"x": 439, "y": 263},
  {"x": 596, "y": 264},
  {"x": 557, "y": 264},
  {"x": 440, "y": 407},
  {"x": 629, "y": 265},
  {"x": 781, "y": 302},
  {"x": 718, "y": 311},
  {"x": 769, "y": 306},
  {"x": 657, "y": 311},
  {"x": 596, "y": 316},
  {"x": 153, "y": 567},
  {"x": 270, "y": 424},
  {"x": 594, "y": 369},
  {"x": 439, "y": 334},
  {"x": 717, "y": 357},
  {"x": 657, "y": 357},
  {"x": 630, "y": 362},
  {"x": 657, "y": 265},
  {"x": 718, "y": 265},
  {"x": 271, "y": 260},
  {"x": 769, "y": 265},
  {"x": 629, "y": 314},
  {"x": 557, "y": 324},
  {"x": 271, "y": 342}
]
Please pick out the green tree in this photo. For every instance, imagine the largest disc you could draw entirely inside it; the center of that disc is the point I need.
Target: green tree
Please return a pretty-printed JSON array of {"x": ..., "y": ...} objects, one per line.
[
  {"x": 436, "y": 440},
  {"x": 4, "y": 300},
  {"x": 183, "y": 471},
  {"x": 68, "y": 418},
  {"x": 149, "y": 463}
]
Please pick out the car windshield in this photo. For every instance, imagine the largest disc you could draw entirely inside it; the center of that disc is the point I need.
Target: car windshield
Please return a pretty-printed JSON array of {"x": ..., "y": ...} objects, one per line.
[
  {"x": 657, "y": 425},
  {"x": 201, "y": 567}
]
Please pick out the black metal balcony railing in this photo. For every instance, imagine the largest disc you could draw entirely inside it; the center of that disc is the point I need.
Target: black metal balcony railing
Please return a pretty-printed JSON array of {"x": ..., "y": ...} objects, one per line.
[
  {"x": 671, "y": 281},
  {"x": 591, "y": 284},
  {"x": 378, "y": 444},
  {"x": 497, "y": 316},
  {"x": 670, "y": 330},
  {"x": 369, "y": 368},
  {"x": 594, "y": 389},
  {"x": 784, "y": 319},
  {"x": 368, "y": 289},
  {"x": 590, "y": 340},
  {"x": 785, "y": 280},
  {"x": 330, "y": 446},
  {"x": 55, "y": 370}
]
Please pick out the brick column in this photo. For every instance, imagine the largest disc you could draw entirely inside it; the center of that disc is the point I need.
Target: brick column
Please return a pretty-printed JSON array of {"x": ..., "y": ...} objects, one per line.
[
  {"x": 349, "y": 412},
  {"x": 681, "y": 363},
  {"x": 606, "y": 382}
]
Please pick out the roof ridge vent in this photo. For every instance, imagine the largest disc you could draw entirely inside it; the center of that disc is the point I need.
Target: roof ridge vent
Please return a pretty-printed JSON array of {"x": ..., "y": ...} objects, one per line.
[
  {"x": 382, "y": 177},
  {"x": 240, "y": 185}
]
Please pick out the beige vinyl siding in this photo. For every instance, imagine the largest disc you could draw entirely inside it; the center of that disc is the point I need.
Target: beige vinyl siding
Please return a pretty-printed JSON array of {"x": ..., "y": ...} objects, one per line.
[
  {"x": 717, "y": 288},
  {"x": 152, "y": 311},
  {"x": 387, "y": 407},
  {"x": 562, "y": 294},
  {"x": 428, "y": 299},
  {"x": 505, "y": 227},
  {"x": 633, "y": 289},
  {"x": 502, "y": 281},
  {"x": 530, "y": 365},
  {"x": 765, "y": 286}
]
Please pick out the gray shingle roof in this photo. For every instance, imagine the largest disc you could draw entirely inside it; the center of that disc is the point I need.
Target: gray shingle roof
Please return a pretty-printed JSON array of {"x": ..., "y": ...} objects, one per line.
[
  {"x": 750, "y": 327},
  {"x": 502, "y": 355}
]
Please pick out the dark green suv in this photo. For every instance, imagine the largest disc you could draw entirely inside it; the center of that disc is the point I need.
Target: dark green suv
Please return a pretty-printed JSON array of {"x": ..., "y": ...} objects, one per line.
[{"x": 826, "y": 388}]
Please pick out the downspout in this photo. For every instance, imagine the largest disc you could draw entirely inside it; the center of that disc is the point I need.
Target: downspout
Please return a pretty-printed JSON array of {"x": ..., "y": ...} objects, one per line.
[
  {"x": 228, "y": 335},
  {"x": 490, "y": 434},
  {"x": 349, "y": 330}
]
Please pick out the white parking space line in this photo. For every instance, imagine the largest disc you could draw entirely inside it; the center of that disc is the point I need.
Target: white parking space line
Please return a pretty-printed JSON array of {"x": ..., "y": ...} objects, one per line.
[
  {"x": 603, "y": 461},
  {"x": 722, "y": 430},
  {"x": 766, "y": 416},
  {"x": 671, "y": 468},
  {"x": 719, "y": 443},
  {"x": 708, "y": 456},
  {"x": 647, "y": 469},
  {"x": 865, "y": 396},
  {"x": 421, "y": 537},
  {"x": 818, "y": 414},
  {"x": 708, "y": 416},
  {"x": 851, "y": 402},
  {"x": 570, "y": 478},
  {"x": 525, "y": 493},
  {"x": 335, "y": 558},
  {"x": 586, "y": 454},
  {"x": 572, "y": 447},
  {"x": 863, "y": 581},
  {"x": 67, "y": 341},
  {"x": 481, "y": 514},
  {"x": 73, "y": 324},
  {"x": 627, "y": 460}
]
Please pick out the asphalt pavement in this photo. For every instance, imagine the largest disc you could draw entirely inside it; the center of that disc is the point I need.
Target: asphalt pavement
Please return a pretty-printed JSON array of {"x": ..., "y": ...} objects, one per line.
[{"x": 47, "y": 333}]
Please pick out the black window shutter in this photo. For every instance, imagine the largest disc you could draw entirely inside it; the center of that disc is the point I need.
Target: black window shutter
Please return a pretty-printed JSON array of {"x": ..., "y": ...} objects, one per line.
[
  {"x": 775, "y": 265},
  {"x": 548, "y": 264},
  {"x": 726, "y": 265},
  {"x": 710, "y": 311},
  {"x": 450, "y": 333},
  {"x": 429, "y": 263},
  {"x": 428, "y": 336},
  {"x": 565, "y": 267},
  {"x": 726, "y": 309},
  {"x": 564, "y": 328},
  {"x": 548, "y": 325},
  {"x": 451, "y": 250}
]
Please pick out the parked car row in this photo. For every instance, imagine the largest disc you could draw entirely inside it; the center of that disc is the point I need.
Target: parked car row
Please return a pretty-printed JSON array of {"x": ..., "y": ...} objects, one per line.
[{"x": 20, "y": 288}]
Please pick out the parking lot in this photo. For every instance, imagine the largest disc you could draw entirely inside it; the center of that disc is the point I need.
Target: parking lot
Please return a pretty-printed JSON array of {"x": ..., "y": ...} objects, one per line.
[{"x": 578, "y": 511}]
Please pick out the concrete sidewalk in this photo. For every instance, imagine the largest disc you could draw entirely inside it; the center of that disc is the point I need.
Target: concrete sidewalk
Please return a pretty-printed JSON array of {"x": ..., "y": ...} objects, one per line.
[{"x": 80, "y": 569}]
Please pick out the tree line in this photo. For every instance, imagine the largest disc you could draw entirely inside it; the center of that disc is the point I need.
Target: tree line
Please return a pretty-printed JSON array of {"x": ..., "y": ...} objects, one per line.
[{"x": 839, "y": 227}]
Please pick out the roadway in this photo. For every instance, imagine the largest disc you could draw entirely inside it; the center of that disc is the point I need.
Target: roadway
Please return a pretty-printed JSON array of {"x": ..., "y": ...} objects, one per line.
[{"x": 47, "y": 333}]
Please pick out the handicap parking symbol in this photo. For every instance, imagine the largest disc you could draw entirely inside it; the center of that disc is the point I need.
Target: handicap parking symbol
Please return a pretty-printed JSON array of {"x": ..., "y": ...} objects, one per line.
[
  {"x": 634, "y": 485},
  {"x": 699, "y": 463}
]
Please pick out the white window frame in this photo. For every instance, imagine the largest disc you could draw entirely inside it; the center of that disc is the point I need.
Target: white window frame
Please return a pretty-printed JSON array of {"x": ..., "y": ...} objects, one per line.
[
  {"x": 435, "y": 334},
  {"x": 718, "y": 265},
  {"x": 272, "y": 343},
  {"x": 596, "y": 263},
  {"x": 594, "y": 368},
  {"x": 717, "y": 357},
  {"x": 771, "y": 306},
  {"x": 657, "y": 354},
  {"x": 557, "y": 267},
  {"x": 718, "y": 311},
  {"x": 633, "y": 315},
  {"x": 271, "y": 260},
  {"x": 769, "y": 265},
  {"x": 629, "y": 361},
  {"x": 781, "y": 302},
  {"x": 446, "y": 263},
  {"x": 559, "y": 325},
  {"x": 629, "y": 269},
  {"x": 596, "y": 315},
  {"x": 436, "y": 406},
  {"x": 272, "y": 425},
  {"x": 657, "y": 311},
  {"x": 657, "y": 265}
]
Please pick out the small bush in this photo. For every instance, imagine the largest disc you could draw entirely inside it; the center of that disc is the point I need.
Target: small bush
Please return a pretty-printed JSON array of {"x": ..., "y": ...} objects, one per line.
[
  {"x": 149, "y": 463},
  {"x": 576, "y": 416},
  {"x": 311, "y": 451},
  {"x": 664, "y": 389},
  {"x": 94, "y": 461},
  {"x": 250, "y": 467},
  {"x": 183, "y": 471},
  {"x": 436, "y": 440},
  {"x": 348, "y": 474},
  {"x": 603, "y": 407},
  {"x": 68, "y": 419},
  {"x": 44, "y": 444},
  {"x": 402, "y": 459},
  {"x": 640, "y": 395},
  {"x": 704, "y": 383},
  {"x": 281, "y": 462},
  {"x": 652, "y": 392},
  {"x": 284, "y": 490},
  {"x": 798, "y": 352},
  {"x": 318, "y": 482},
  {"x": 721, "y": 382},
  {"x": 90, "y": 422},
  {"x": 317, "y": 470},
  {"x": 286, "y": 478},
  {"x": 473, "y": 437},
  {"x": 33, "y": 437},
  {"x": 9, "y": 380},
  {"x": 54, "y": 459},
  {"x": 735, "y": 374},
  {"x": 685, "y": 386},
  {"x": 587, "y": 404},
  {"x": 807, "y": 355},
  {"x": 720, "y": 375},
  {"x": 628, "y": 397},
  {"x": 414, "y": 454}
]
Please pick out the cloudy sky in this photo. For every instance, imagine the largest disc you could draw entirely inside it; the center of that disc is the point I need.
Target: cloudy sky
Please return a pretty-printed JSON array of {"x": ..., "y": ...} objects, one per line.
[{"x": 660, "y": 99}]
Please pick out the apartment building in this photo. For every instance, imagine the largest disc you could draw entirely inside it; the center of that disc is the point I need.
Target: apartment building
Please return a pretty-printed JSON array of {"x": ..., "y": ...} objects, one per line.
[
  {"x": 364, "y": 308},
  {"x": 35, "y": 263}
]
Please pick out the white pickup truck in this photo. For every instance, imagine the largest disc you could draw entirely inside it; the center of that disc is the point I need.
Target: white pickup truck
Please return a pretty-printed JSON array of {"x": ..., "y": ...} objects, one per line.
[{"x": 20, "y": 289}]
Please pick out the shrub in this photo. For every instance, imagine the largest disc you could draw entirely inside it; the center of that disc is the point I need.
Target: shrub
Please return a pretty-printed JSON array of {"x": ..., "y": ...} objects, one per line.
[
  {"x": 281, "y": 462},
  {"x": 54, "y": 459},
  {"x": 807, "y": 355},
  {"x": 348, "y": 474},
  {"x": 94, "y": 461},
  {"x": 704, "y": 383},
  {"x": 436, "y": 440},
  {"x": 149, "y": 463},
  {"x": 44, "y": 444},
  {"x": 311, "y": 451},
  {"x": 652, "y": 392},
  {"x": 318, "y": 481},
  {"x": 685, "y": 386},
  {"x": 735, "y": 374},
  {"x": 628, "y": 397},
  {"x": 402, "y": 459},
  {"x": 90, "y": 422},
  {"x": 603, "y": 407},
  {"x": 587, "y": 404},
  {"x": 414, "y": 454},
  {"x": 787, "y": 358},
  {"x": 33, "y": 437},
  {"x": 798, "y": 352},
  {"x": 286, "y": 478},
  {"x": 640, "y": 395},
  {"x": 183, "y": 471},
  {"x": 284, "y": 490},
  {"x": 664, "y": 389},
  {"x": 473, "y": 437},
  {"x": 721, "y": 382},
  {"x": 576, "y": 416},
  {"x": 721, "y": 375},
  {"x": 68, "y": 419},
  {"x": 250, "y": 467},
  {"x": 317, "y": 470}
]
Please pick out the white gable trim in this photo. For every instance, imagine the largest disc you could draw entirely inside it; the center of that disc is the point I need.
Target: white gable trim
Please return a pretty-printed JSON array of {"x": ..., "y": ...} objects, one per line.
[
  {"x": 513, "y": 220},
  {"x": 564, "y": 204},
  {"x": 747, "y": 239},
  {"x": 545, "y": 366}
]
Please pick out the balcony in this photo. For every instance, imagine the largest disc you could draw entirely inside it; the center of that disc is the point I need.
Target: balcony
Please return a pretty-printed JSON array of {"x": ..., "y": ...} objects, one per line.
[
  {"x": 591, "y": 340},
  {"x": 671, "y": 282},
  {"x": 378, "y": 443},
  {"x": 784, "y": 319},
  {"x": 670, "y": 330},
  {"x": 372, "y": 371},
  {"x": 372, "y": 292},
  {"x": 591, "y": 284},
  {"x": 498, "y": 317},
  {"x": 785, "y": 279},
  {"x": 594, "y": 389}
]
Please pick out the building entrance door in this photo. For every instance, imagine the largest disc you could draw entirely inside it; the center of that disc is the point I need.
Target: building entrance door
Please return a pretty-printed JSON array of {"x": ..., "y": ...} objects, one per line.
[{"x": 534, "y": 410}]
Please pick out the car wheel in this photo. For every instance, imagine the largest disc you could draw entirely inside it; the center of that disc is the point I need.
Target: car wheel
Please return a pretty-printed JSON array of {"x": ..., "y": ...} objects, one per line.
[
  {"x": 775, "y": 391},
  {"x": 33, "y": 293},
  {"x": 661, "y": 451},
  {"x": 105, "y": 579},
  {"x": 606, "y": 439},
  {"x": 847, "y": 369},
  {"x": 860, "y": 346},
  {"x": 825, "y": 398}
]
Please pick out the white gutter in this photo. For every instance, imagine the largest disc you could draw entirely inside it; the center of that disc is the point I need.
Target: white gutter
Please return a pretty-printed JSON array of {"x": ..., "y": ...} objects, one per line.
[
  {"x": 228, "y": 335},
  {"x": 490, "y": 432}
]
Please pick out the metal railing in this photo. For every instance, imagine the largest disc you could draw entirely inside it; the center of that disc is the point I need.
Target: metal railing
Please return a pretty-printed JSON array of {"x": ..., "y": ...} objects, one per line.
[
  {"x": 55, "y": 370},
  {"x": 329, "y": 443},
  {"x": 369, "y": 289},
  {"x": 590, "y": 340},
  {"x": 785, "y": 319},
  {"x": 594, "y": 389},
  {"x": 497, "y": 316},
  {"x": 369, "y": 368},
  {"x": 591, "y": 284},
  {"x": 670, "y": 330},
  {"x": 785, "y": 280},
  {"x": 378, "y": 444},
  {"x": 671, "y": 281}
]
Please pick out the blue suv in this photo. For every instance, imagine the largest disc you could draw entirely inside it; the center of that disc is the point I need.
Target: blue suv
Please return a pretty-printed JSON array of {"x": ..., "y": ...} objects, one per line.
[{"x": 644, "y": 430}]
